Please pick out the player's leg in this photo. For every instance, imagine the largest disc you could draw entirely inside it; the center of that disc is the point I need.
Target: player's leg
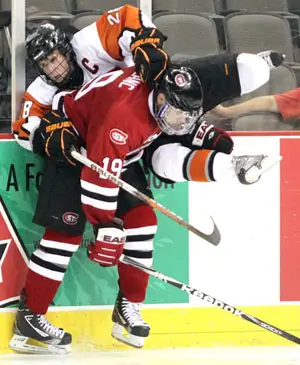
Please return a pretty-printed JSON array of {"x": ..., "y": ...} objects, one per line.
[
  {"x": 58, "y": 209},
  {"x": 140, "y": 223},
  {"x": 179, "y": 163}
]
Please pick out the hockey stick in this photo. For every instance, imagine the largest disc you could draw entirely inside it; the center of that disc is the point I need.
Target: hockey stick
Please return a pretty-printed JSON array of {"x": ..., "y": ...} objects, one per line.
[
  {"x": 208, "y": 298},
  {"x": 213, "y": 238}
]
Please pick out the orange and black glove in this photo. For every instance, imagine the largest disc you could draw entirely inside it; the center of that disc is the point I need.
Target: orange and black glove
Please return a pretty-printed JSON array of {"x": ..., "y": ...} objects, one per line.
[
  {"x": 149, "y": 57},
  {"x": 57, "y": 137}
]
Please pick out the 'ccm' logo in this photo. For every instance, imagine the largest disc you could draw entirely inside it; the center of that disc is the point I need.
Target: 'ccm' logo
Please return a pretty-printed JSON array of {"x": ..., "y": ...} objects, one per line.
[{"x": 118, "y": 136}]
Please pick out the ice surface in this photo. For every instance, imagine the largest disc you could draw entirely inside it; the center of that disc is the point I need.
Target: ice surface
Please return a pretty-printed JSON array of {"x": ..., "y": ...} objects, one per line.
[{"x": 211, "y": 356}]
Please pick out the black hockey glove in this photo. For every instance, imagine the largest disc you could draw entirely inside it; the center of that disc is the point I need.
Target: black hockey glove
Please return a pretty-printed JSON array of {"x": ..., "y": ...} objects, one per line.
[
  {"x": 206, "y": 136},
  {"x": 58, "y": 137},
  {"x": 149, "y": 57}
]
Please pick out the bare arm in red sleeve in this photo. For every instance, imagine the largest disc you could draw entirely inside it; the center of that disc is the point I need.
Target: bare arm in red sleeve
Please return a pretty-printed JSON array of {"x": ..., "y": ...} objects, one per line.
[{"x": 287, "y": 104}]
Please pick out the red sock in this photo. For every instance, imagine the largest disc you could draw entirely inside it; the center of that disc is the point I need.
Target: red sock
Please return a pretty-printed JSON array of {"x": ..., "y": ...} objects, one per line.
[{"x": 141, "y": 225}]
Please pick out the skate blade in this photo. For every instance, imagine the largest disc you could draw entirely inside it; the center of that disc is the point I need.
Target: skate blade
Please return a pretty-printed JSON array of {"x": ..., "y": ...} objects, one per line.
[
  {"x": 120, "y": 334},
  {"x": 254, "y": 174},
  {"x": 269, "y": 163},
  {"x": 27, "y": 345}
]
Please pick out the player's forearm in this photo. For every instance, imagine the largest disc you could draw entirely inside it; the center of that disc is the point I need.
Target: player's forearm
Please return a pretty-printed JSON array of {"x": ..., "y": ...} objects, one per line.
[{"x": 262, "y": 103}]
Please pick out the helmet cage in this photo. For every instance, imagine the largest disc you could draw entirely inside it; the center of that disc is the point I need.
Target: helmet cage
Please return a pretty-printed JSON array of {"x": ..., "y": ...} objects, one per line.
[
  {"x": 42, "y": 43},
  {"x": 172, "y": 120}
]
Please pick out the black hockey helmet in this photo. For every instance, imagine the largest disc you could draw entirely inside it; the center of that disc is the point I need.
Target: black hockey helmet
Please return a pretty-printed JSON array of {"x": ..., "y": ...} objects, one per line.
[
  {"x": 183, "y": 100},
  {"x": 41, "y": 42}
]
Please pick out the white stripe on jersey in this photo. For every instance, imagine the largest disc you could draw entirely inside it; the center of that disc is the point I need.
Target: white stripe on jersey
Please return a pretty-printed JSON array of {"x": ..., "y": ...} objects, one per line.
[
  {"x": 99, "y": 204},
  {"x": 93, "y": 188},
  {"x": 54, "y": 259},
  {"x": 139, "y": 245},
  {"x": 59, "y": 245},
  {"x": 50, "y": 274},
  {"x": 129, "y": 160},
  {"x": 141, "y": 230},
  {"x": 146, "y": 262}
]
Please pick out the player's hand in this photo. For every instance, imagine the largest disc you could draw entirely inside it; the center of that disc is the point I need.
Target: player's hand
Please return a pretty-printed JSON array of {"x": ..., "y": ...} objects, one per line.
[
  {"x": 273, "y": 58},
  {"x": 149, "y": 57},
  {"x": 58, "y": 138},
  {"x": 205, "y": 135},
  {"x": 108, "y": 247}
]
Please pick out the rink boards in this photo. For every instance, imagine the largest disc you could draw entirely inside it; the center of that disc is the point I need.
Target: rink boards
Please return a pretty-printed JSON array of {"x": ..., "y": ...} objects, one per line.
[{"x": 256, "y": 267}]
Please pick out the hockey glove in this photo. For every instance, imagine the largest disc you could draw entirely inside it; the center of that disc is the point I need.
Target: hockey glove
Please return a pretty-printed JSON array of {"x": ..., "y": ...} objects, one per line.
[
  {"x": 149, "y": 57},
  {"x": 108, "y": 247},
  {"x": 58, "y": 137},
  {"x": 273, "y": 58},
  {"x": 205, "y": 135}
]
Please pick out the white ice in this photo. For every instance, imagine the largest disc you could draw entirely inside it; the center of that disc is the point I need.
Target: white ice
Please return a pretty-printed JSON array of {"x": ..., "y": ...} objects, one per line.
[{"x": 211, "y": 356}]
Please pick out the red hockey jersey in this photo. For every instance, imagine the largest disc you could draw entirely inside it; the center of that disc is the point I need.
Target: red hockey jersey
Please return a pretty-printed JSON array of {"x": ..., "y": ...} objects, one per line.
[{"x": 113, "y": 115}]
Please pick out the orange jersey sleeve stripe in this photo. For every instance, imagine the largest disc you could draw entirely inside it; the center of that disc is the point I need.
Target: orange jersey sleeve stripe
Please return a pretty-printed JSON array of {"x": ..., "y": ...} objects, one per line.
[
  {"x": 111, "y": 25},
  {"x": 199, "y": 166}
]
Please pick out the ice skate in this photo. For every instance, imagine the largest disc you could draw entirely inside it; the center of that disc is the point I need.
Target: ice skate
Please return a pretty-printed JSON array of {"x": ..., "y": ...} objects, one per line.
[
  {"x": 32, "y": 327},
  {"x": 249, "y": 168},
  {"x": 126, "y": 317}
]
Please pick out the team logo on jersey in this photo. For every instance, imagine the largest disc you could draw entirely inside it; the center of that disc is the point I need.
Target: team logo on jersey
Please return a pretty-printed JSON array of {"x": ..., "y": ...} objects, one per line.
[
  {"x": 13, "y": 260},
  {"x": 179, "y": 80},
  {"x": 70, "y": 218},
  {"x": 118, "y": 136}
]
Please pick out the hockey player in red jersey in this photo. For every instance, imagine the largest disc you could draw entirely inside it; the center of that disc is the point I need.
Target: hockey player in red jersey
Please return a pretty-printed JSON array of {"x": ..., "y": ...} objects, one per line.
[
  {"x": 116, "y": 117},
  {"x": 49, "y": 262},
  {"x": 237, "y": 74},
  {"x": 119, "y": 38}
]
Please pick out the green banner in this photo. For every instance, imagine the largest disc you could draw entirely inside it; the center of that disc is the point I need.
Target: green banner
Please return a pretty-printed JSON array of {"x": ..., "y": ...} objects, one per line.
[{"x": 85, "y": 282}]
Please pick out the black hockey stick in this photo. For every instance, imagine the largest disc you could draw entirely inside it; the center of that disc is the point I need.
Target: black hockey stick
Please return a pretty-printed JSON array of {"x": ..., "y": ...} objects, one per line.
[
  {"x": 213, "y": 238},
  {"x": 208, "y": 298}
]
